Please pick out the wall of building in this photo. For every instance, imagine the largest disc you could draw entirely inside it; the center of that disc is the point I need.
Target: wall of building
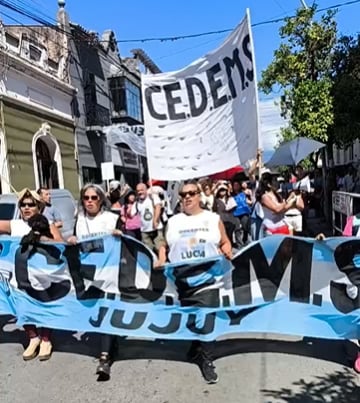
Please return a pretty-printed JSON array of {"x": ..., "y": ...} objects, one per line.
[{"x": 20, "y": 126}]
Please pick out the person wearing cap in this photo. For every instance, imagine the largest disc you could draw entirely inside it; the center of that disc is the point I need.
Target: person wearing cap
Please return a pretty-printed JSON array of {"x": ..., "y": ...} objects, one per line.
[
  {"x": 30, "y": 205},
  {"x": 117, "y": 195},
  {"x": 224, "y": 205}
]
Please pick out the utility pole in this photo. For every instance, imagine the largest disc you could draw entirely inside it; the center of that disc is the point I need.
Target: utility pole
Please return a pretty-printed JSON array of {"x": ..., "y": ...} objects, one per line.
[{"x": 304, "y": 4}]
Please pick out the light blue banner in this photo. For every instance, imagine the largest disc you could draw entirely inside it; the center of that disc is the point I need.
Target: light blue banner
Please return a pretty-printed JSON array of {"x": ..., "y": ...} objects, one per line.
[{"x": 288, "y": 285}]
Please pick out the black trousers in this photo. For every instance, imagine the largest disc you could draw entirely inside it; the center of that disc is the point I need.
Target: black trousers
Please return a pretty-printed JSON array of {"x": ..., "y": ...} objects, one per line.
[
  {"x": 135, "y": 233},
  {"x": 242, "y": 232},
  {"x": 198, "y": 346},
  {"x": 107, "y": 343}
]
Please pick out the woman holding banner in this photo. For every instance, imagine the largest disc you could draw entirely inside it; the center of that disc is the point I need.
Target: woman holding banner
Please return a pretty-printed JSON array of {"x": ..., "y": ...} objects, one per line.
[
  {"x": 95, "y": 220},
  {"x": 192, "y": 234},
  {"x": 31, "y": 207}
]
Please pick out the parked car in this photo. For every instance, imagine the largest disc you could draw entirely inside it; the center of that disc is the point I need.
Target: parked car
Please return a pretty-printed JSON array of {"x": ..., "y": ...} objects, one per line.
[{"x": 62, "y": 199}]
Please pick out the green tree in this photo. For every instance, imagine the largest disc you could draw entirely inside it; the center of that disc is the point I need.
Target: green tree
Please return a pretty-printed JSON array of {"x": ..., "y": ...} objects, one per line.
[
  {"x": 346, "y": 92},
  {"x": 301, "y": 68}
]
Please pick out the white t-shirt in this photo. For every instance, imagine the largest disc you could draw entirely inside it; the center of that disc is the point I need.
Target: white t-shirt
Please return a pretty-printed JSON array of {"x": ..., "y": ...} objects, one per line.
[
  {"x": 102, "y": 224},
  {"x": 146, "y": 210},
  {"x": 19, "y": 228},
  {"x": 193, "y": 237}
]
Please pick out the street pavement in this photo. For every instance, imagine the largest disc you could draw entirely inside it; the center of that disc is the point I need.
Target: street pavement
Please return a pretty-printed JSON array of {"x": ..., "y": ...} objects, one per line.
[{"x": 253, "y": 368}]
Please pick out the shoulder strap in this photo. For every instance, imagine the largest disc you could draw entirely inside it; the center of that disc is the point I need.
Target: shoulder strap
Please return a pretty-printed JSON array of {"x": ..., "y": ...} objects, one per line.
[{"x": 75, "y": 224}]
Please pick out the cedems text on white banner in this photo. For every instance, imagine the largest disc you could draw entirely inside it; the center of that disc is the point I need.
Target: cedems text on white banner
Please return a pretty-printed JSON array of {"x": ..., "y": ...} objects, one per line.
[{"x": 203, "y": 118}]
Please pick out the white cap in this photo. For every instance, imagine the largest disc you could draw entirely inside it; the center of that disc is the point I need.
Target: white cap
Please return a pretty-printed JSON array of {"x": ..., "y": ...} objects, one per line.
[{"x": 113, "y": 185}]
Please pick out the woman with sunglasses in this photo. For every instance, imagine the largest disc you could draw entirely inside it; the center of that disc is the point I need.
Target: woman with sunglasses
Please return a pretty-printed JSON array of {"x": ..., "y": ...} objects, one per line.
[
  {"x": 30, "y": 205},
  {"x": 95, "y": 219},
  {"x": 192, "y": 234}
]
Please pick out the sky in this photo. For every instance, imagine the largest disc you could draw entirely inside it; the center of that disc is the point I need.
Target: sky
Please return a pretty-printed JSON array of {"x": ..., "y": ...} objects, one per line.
[{"x": 165, "y": 18}]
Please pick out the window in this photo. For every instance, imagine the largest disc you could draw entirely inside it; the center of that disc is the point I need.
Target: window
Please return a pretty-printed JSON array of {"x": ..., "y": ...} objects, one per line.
[
  {"x": 11, "y": 40},
  {"x": 126, "y": 98},
  {"x": 34, "y": 53},
  {"x": 53, "y": 65},
  {"x": 351, "y": 153},
  {"x": 338, "y": 155},
  {"x": 91, "y": 175},
  {"x": 133, "y": 100},
  {"x": 90, "y": 88}
]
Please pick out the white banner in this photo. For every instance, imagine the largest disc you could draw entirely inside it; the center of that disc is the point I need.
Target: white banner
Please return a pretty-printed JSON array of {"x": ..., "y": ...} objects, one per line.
[
  {"x": 203, "y": 119},
  {"x": 133, "y": 136}
]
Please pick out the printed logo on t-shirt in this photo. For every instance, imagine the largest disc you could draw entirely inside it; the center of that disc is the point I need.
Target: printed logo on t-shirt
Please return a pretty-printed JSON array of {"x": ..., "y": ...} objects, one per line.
[
  {"x": 194, "y": 249},
  {"x": 148, "y": 215}
]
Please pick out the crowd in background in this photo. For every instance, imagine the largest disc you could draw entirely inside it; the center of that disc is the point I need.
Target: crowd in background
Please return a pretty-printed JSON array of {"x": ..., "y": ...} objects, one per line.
[{"x": 185, "y": 221}]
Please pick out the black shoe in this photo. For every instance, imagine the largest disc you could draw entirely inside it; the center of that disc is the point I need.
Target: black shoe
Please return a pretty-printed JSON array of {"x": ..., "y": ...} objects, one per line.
[
  {"x": 103, "y": 369},
  {"x": 206, "y": 365}
]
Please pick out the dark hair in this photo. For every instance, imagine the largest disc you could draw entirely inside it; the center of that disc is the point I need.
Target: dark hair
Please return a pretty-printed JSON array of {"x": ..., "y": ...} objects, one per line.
[
  {"x": 265, "y": 184},
  {"x": 40, "y": 226},
  {"x": 114, "y": 196},
  {"x": 42, "y": 188},
  {"x": 189, "y": 182},
  {"x": 99, "y": 191},
  {"x": 126, "y": 198}
]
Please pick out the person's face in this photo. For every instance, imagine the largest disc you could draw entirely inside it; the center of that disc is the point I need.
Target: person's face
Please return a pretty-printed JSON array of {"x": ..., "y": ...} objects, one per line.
[
  {"x": 299, "y": 172},
  {"x": 236, "y": 187},
  {"x": 28, "y": 208},
  {"x": 131, "y": 198},
  {"x": 45, "y": 196},
  {"x": 207, "y": 190},
  {"x": 190, "y": 197},
  {"x": 91, "y": 201},
  {"x": 222, "y": 193},
  {"x": 244, "y": 185},
  {"x": 141, "y": 191}
]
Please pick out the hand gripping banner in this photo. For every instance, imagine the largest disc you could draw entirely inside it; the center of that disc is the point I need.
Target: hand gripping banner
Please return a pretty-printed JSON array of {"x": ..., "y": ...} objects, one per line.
[{"x": 288, "y": 285}]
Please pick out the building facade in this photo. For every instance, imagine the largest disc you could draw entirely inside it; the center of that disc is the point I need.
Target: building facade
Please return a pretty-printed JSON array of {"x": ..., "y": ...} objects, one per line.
[
  {"x": 60, "y": 86},
  {"x": 37, "y": 143},
  {"x": 109, "y": 92}
]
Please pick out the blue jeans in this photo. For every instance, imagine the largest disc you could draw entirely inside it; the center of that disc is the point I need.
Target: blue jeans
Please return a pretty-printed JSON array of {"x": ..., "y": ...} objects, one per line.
[{"x": 257, "y": 231}]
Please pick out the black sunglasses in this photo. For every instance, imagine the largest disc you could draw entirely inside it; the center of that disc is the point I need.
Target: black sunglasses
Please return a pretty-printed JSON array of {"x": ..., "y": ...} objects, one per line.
[
  {"x": 31, "y": 205},
  {"x": 190, "y": 193},
  {"x": 93, "y": 198}
]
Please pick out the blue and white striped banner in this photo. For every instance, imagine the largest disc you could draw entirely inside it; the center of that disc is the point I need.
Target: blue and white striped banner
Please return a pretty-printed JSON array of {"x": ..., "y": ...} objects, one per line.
[{"x": 280, "y": 284}]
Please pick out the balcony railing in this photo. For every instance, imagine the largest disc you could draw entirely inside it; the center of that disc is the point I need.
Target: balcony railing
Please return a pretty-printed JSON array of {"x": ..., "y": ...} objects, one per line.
[{"x": 97, "y": 115}]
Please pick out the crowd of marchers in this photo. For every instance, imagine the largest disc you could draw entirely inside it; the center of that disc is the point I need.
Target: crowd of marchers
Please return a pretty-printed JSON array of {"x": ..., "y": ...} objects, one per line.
[{"x": 202, "y": 218}]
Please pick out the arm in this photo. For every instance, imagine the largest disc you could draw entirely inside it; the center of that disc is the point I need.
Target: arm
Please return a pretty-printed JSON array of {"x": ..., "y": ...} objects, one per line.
[
  {"x": 254, "y": 166},
  {"x": 56, "y": 233},
  {"x": 225, "y": 244},
  {"x": 5, "y": 227},
  {"x": 57, "y": 218},
  {"x": 157, "y": 213},
  {"x": 299, "y": 204},
  {"x": 133, "y": 211},
  {"x": 161, "y": 257},
  {"x": 276, "y": 207}
]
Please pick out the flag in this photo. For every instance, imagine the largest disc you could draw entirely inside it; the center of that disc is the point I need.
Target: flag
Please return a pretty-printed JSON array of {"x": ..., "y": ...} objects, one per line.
[{"x": 203, "y": 119}]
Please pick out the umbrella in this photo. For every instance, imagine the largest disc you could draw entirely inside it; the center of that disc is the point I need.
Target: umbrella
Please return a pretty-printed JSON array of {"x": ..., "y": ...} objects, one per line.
[
  {"x": 294, "y": 151},
  {"x": 228, "y": 174}
]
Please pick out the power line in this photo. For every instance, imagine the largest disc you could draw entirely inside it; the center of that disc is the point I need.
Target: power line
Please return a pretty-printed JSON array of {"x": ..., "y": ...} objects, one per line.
[
  {"x": 25, "y": 12},
  {"x": 222, "y": 31}
]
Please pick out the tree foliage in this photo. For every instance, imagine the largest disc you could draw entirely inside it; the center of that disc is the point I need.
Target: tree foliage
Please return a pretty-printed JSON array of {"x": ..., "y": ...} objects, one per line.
[
  {"x": 302, "y": 68},
  {"x": 346, "y": 92}
]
